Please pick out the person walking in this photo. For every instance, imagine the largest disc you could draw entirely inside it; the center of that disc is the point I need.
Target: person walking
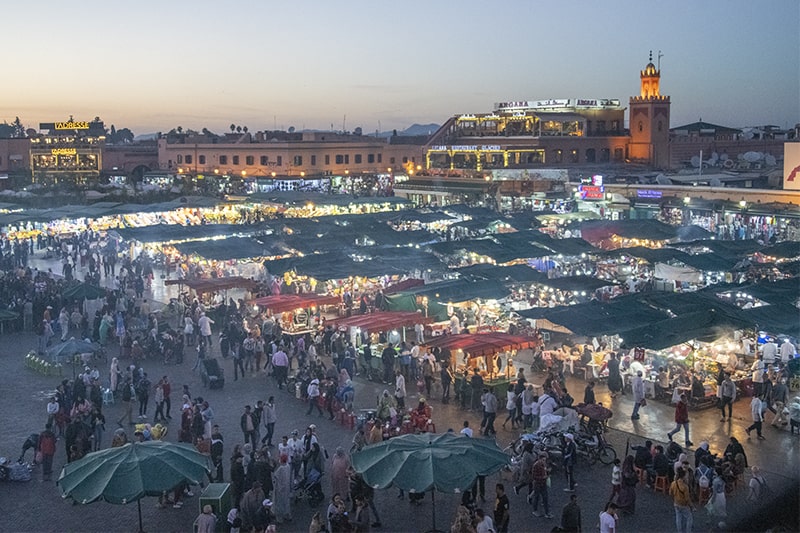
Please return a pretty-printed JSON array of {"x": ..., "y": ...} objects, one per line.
[
  {"x": 270, "y": 418},
  {"x": 780, "y": 396},
  {"x": 204, "y": 325},
  {"x": 540, "y": 475},
  {"x": 400, "y": 389},
  {"x": 571, "y": 516},
  {"x": 502, "y": 507},
  {"x": 727, "y": 394},
  {"x": 570, "y": 455},
  {"x": 447, "y": 379},
  {"x": 511, "y": 407},
  {"x": 248, "y": 423},
  {"x": 638, "y": 394},
  {"x": 681, "y": 420},
  {"x": 128, "y": 393},
  {"x": 47, "y": 448},
  {"x": 525, "y": 472},
  {"x": 313, "y": 396},
  {"x": 614, "y": 377},
  {"x": 757, "y": 412},
  {"x": 489, "y": 401},
  {"x": 143, "y": 395},
  {"x": 608, "y": 519},
  {"x": 682, "y": 502}
]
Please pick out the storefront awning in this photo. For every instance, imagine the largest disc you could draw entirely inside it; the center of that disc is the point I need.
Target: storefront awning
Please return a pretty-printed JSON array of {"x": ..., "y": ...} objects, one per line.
[
  {"x": 480, "y": 344},
  {"x": 382, "y": 320},
  {"x": 201, "y": 286},
  {"x": 280, "y": 303}
]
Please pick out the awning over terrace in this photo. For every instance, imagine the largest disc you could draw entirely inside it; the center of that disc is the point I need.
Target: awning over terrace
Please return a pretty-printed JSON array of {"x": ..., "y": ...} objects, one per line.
[
  {"x": 280, "y": 303},
  {"x": 480, "y": 344},
  {"x": 382, "y": 320},
  {"x": 204, "y": 285}
]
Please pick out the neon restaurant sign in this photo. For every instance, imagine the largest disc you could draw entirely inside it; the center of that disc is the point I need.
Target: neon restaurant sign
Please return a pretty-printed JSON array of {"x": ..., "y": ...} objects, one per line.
[{"x": 64, "y": 151}]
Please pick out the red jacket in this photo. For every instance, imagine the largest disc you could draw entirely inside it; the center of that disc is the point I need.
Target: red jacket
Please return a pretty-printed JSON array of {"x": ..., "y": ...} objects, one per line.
[
  {"x": 47, "y": 443},
  {"x": 681, "y": 413}
]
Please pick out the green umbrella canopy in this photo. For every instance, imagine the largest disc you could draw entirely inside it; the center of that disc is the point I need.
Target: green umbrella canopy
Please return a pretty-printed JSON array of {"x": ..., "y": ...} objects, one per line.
[
  {"x": 417, "y": 463},
  {"x": 69, "y": 348},
  {"x": 83, "y": 291},
  {"x": 130, "y": 472}
]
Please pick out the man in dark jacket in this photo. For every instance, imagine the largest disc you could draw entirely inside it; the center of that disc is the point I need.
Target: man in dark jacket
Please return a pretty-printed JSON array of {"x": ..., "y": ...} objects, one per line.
[{"x": 571, "y": 515}]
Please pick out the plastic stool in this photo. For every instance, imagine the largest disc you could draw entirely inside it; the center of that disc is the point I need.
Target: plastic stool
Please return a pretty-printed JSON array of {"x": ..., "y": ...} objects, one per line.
[
  {"x": 641, "y": 473},
  {"x": 661, "y": 484},
  {"x": 430, "y": 427}
]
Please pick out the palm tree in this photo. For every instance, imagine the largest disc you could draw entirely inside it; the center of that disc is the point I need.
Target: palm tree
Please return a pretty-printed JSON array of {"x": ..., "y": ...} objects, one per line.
[
  {"x": 244, "y": 129},
  {"x": 238, "y": 129},
  {"x": 233, "y": 128}
]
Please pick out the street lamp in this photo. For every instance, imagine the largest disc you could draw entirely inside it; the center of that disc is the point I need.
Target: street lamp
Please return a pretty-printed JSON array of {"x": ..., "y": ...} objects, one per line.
[
  {"x": 686, "y": 200},
  {"x": 742, "y": 203}
]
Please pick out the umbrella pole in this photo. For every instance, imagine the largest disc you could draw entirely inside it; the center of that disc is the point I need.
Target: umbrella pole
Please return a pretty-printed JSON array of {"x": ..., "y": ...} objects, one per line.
[
  {"x": 139, "y": 504},
  {"x": 433, "y": 507}
]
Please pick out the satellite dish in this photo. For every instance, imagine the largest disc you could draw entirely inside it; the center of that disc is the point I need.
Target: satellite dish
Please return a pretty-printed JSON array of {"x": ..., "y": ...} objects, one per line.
[
  {"x": 748, "y": 135},
  {"x": 752, "y": 157},
  {"x": 661, "y": 179},
  {"x": 715, "y": 182},
  {"x": 695, "y": 160},
  {"x": 724, "y": 157},
  {"x": 770, "y": 160}
]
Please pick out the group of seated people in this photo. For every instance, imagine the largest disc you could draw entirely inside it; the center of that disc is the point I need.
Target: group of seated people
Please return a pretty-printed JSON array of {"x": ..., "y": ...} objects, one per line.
[{"x": 657, "y": 461}]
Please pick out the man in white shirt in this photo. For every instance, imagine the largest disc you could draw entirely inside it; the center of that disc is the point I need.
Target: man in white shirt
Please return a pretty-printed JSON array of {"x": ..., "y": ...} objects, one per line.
[
  {"x": 788, "y": 351},
  {"x": 758, "y": 376},
  {"x": 769, "y": 351},
  {"x": 466, "y": 430},
  {"x": 638, "y": 394},
  {"x": 485, "y": 523},
  {"x": 204, "y": 324},
  {"x": 608, "y": 519}
]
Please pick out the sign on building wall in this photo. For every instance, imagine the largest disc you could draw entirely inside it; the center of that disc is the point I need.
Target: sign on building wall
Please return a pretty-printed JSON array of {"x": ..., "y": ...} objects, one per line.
[
  {"x": 557, "y": 174},
  {"x": 791, "y": 166}
]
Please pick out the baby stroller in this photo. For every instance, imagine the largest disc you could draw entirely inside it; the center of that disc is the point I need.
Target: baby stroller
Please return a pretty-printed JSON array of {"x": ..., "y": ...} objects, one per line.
[
  {"x": 212, "y": 374},
  {"x": 309, "y": 489}
]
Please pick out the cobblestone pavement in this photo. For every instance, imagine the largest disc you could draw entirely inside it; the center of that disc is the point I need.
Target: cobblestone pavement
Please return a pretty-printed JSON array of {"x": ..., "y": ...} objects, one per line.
[{"x": 37, "y": 506}]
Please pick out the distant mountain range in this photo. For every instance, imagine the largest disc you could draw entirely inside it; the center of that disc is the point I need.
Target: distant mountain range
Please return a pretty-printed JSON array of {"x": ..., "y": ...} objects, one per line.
[
  {"x": 411, "y": 131},
  {"x": 414, "y": 129}
]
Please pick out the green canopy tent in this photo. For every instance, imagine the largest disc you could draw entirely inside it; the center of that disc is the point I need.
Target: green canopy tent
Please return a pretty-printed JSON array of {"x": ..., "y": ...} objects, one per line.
[{"x": 418, "y": 463}]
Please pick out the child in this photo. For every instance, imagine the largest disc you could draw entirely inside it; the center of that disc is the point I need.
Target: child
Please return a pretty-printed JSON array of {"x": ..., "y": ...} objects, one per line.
[{"x": 616, "y": 480}]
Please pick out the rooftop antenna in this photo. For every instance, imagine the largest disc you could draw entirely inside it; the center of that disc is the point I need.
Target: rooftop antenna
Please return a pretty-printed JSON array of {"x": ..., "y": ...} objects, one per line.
[{"x": 660, "y": 55}]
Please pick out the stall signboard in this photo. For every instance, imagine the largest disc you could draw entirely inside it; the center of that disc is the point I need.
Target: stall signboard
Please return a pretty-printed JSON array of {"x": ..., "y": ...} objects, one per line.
[
  {"x": 512, "y": 174},
  {"x": 648, "y": 193},
  {"x": 791, "y": 166},
  {"x": 592, "y": 192}
]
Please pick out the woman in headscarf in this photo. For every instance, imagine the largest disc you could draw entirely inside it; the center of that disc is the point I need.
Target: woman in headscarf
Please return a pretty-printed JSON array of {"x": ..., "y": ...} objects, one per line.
[
  {"x": 63, "y": 323},
  {"x": 340, "y": 481},
  {"x": 626, "y": 501},
  {"x": 343, "y": 378},
  {"x": 528, "y": 401},
  {"x": 282, "y": 485},
  {"x": 614, "y": 377},
  {"x": 386, "y": 405},
  {"x": 113, "y": 374}
]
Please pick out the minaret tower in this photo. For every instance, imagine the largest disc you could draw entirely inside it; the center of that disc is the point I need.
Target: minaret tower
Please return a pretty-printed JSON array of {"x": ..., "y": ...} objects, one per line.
[{"x": 649, "y": 120}]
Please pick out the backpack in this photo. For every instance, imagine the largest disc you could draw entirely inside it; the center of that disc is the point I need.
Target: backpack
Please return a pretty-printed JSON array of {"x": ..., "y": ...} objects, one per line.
[{"x": 703, "y": 481}]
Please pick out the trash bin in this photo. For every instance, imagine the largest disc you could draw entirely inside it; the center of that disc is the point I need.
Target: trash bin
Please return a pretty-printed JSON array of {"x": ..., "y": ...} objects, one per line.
[{"x": 218, "y": 496}]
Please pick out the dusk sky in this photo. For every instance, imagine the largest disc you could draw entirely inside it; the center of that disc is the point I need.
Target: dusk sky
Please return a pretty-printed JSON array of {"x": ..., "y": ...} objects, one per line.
[{"x": 152, "y": 66}]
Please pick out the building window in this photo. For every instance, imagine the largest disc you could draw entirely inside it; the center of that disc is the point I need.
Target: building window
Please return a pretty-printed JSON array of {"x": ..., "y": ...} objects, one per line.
[
  {"x": 590, "y": 155},
  {"x": 264, "y": 159},
  {"x": 327, "y": 159},
  {"x": 601, "y": 126},
  {"x": 201, "y": 159},
  {"x": 557, "y": 156},
  {"x": 660, "y": 126},
  {"x": 280, "y": 161},
  {"x": 297, "y": 160},
  {"x": 358, "y": 159},
  {"x": 179, "y": 159},
  {"x": 641, "y": 126},
  {"x": 313, "y": 160},
  {"x": 250, "y": 160},
  {"x": 615, "y": 126},
  {"x": 605, "y": 155},
  {"x": 405, "y": 160},
  {"x": 236, "y": 160},
  {"x": 339, "y": 159},
  {"x": 391, "y": 160},
  {"x": 346, "y": 159},
  {"x": 380, "y": 158},
  {"x": 370, "y": 158},
  {"x": 223, "y": 160},
  {"x": 618, "y": 154},
  {"x": 188, "y": 159}
]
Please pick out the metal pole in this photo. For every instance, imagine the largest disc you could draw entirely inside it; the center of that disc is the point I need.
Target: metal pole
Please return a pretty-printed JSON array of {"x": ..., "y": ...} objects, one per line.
[{"x": 701, "y": 163}]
